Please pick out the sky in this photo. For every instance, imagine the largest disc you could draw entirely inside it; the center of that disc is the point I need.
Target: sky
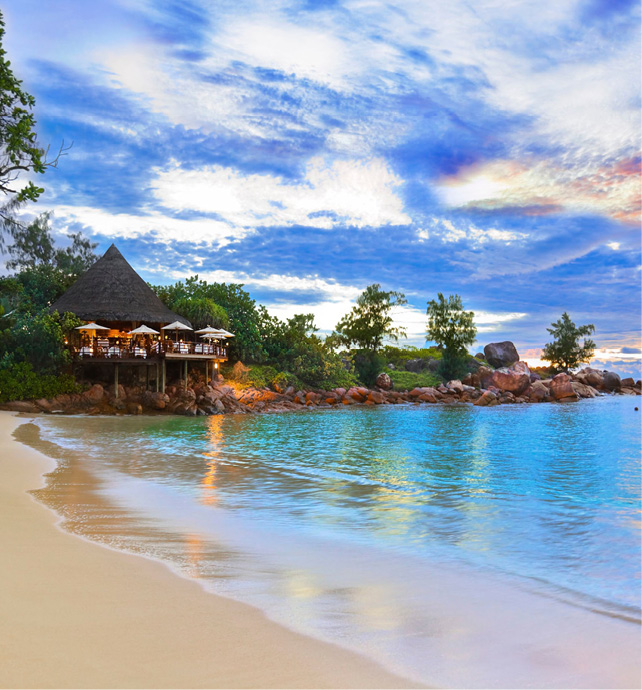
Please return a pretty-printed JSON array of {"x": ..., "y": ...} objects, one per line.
[{"x": 307, "y": 149}]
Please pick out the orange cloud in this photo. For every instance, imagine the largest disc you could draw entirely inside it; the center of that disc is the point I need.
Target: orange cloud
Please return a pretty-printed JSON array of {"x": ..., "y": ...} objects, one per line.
[{"x": 542, "y": 187}]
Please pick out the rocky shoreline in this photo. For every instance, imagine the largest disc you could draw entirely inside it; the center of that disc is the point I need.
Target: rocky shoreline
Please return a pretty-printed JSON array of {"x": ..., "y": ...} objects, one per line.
[{"x": 484, "y": 388}]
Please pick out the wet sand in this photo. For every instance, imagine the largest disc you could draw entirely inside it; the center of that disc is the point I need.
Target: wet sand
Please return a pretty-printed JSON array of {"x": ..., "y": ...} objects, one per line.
[{"x": 76, "y": 615}]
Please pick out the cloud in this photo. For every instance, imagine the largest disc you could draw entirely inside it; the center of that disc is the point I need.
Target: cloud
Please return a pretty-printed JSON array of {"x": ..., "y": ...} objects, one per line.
[
  {"x": 544, "y": 187},
  {"x": 346, "y": 192},
  {"x": 161, "y": 227}
]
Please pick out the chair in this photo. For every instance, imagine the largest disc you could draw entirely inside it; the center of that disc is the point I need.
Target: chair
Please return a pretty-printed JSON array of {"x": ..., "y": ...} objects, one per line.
[
  {"x": 140, "y": 352},
  {"x": 198, "y": 349},
  {"x": 86, "y": 352},
  {"x": 113, "y": 352}
]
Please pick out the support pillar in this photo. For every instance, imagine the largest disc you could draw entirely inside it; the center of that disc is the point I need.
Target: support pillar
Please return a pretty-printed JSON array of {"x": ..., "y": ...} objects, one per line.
[
  {"x": 186, "y": 374},
  {"x": 157, "y": 381},
  {"x": 163, "y": 376},
  {"x": 116, "y": 380},
  {"x": 207, "y": 366}
]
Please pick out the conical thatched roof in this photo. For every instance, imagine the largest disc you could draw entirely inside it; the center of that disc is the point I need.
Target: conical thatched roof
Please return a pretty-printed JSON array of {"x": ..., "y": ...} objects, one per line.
[{"x": 111, "y": 290}]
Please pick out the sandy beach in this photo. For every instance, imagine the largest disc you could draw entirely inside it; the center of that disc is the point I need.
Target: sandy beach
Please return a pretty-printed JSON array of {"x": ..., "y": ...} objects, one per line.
[{"x": 74, "y": 614}]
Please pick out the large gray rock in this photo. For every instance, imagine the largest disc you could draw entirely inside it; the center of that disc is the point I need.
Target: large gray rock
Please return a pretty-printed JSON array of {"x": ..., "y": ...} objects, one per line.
[
  {"x": 611, "y": 381},
  {"x": 501, "y": 354},
  {"x": 416, "y": 365}
]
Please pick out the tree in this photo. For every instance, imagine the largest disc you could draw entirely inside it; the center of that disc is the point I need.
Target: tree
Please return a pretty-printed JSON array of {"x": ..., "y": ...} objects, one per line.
[
  {"x": 202, "y": 312},
  {"x": 565, "y": 352},
  {"x": 245, "y": 318},
  {"x": 452, "y": 328},
  {"x": 19, "y": 149},
  {"x": 44, "y": 270},
  {"x": 370, "y": 320}
]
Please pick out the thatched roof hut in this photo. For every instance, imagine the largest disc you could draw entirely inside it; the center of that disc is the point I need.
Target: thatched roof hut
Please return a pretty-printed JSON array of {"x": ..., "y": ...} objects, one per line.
[{"x": 111, "y": 290}]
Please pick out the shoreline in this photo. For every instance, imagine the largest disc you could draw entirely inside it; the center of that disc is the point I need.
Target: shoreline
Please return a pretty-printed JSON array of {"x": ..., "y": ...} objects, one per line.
[
  {"x": 501, "y": 387},
  {"x": 73, "y": 614}
]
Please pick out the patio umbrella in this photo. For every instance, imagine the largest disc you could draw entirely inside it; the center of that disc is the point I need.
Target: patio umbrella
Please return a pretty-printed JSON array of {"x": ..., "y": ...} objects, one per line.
[
  {"x": 91, "y": 327},
  {"x": 208, "y": 329},
  {"x": 226, "y": 334},
  {"x": 142, "y": 330},
  {"x": 176, "y": 326}
]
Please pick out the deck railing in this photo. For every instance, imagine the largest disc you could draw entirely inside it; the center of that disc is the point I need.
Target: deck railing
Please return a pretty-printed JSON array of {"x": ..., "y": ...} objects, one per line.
[{"x": 112, "y": 348}]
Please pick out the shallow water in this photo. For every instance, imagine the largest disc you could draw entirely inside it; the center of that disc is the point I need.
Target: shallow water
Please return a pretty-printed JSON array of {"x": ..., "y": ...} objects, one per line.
[{"x": 459, "y": 546}]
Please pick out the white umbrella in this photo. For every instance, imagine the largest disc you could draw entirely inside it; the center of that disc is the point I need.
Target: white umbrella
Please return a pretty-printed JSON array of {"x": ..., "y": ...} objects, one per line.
[
  {"x": 176, "y": 326},
  {"x": 208, "y": 329},
  {"x": 91, "y": 327},
  {"x": 227, "y": 334},
  {"x": 143, "y": 330}
]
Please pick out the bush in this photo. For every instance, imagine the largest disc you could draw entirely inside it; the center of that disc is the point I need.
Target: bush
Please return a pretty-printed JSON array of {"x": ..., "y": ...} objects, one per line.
[
  {"x": 39, "y": 339},
  {"x": 21, "y": 382},
  {"x": 399, "y": 356},
  {"x": 368, "y": 365},
  {"x": 453, "y": 365},
  {"x": 407, "y": 380}
]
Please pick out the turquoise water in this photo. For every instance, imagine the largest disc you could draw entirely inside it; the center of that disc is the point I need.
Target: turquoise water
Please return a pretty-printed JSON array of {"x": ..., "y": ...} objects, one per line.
[{"x": 322, "y": 518}]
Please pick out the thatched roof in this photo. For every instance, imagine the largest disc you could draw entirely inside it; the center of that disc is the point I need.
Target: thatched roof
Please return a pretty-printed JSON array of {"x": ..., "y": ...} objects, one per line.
[{"x": 111, "y": 290}]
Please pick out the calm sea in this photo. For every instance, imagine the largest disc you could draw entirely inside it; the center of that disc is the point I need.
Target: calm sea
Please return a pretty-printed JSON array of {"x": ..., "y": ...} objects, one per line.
[{"x": 438, "y": 540}]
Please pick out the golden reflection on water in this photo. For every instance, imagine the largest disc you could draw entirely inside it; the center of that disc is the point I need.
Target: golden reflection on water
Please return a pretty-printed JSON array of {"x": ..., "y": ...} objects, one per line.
[
  {"x": 212, "y": 456},
  {"x": 194, "y": 553}
]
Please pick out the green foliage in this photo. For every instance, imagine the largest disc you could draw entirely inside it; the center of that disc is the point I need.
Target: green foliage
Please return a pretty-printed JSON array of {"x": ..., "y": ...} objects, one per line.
[
  {"x": 19, "y": 149},
  {"x": 368, "y": 365},
  {"x": 566, "y": 352},
  {"x": 293, "y": 346},
  {"x": 453, "y": 365},
  {"x": 260, "y": 376},
  {"x": 45, "y": 271},
  {"x": 407, "y": 380},
  {"x": 370, "y": 320},
  {"x": 245, "y": 318},
  {"x": 37, "y": 338},
  {"x": 400, "y": 355},
  {"x": 202, "y": 312},
  {"x": 21, "y": 382},
  {"x": 454, "y": 329},
  {"x": 449, "y": 325}
]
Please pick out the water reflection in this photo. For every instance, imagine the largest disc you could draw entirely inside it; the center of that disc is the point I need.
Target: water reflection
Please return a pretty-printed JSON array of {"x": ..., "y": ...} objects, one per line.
[{"x": 550, "y": 491}]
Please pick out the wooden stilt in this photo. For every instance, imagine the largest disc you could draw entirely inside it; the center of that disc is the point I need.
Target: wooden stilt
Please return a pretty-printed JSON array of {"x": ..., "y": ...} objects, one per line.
[
  {"x": 207, "y": 366},
  {"x": 186, "y": 374},
  {"x": 157, "y": 381},
  {"x": 116, "y": 380},
  {"x": 146, "y": 378},
  {"x": 163, "y": 376}
]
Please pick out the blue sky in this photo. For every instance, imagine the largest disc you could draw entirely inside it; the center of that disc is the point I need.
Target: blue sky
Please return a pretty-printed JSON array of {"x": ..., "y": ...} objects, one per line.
[{"x": 308, "y": 149}]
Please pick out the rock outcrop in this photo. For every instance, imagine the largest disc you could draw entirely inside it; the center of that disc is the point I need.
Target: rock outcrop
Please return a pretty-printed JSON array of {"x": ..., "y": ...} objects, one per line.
[
  {"x": 483, "y": 388},
  {"x": 501, "y": 354},
  {"x": 384, "y": 382}
]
